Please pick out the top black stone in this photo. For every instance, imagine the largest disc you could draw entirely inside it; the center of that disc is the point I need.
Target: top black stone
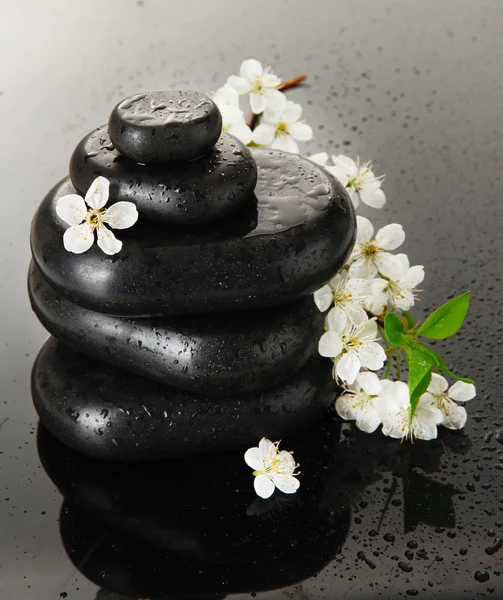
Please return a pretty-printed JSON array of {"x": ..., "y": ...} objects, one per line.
[{"x": 165, "y": 126}]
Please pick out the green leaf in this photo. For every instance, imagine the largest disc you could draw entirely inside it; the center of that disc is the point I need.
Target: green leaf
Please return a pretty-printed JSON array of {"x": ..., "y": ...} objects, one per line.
[
  {"x": 439, "y": 363},
  {"x": 447, "y": 319},
  {"x": 394, "y": 329},
  {"x": 410, "y": 319},
  {"x": 420, "y": 363}
]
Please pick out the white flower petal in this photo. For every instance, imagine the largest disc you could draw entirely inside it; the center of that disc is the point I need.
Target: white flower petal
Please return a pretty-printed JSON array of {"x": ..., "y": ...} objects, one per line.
[
  {"x": 275, "y": 100},
  {"x": 121, "y": 215},
  {"x": 396, "y": 426},
  {"x": 438, "y": 384},
  {"x": 291, "y": 112},
  {"x": 375, "y": 198},
  {"x": 78, "y": 239},
  {"x": 72, "y": 209},
  {"x": 388, "y": 265},
  {"x": 372, "y": 356},
  {"x": 257, "y": 103},
  {"x": 358, "y": 288},
  {"x": 301, "y": 132},
  {"x": 413, "y": 277},
  {"x": 227, "y": 95},
  {"x": 346, "y": 163},
  {"x": 368, "y": 420},
  {"x": 323, "y": 298},
  {"x": 264, "y": 487},
  {"x": 107, "y": 241},
  {"x": 254, "y": 459},
  {"x": 354, "y": 195},
  {"x": 251, "y": 69},
  {"x": 355, "y": 312},
  {"x": 286, "y": 464},
  {"x": 241, "y": 131},
  {"x": 405, "y": 300},
  {"x": 97, "y": 194},
  {"x": 336, "y": 320},
  {"x": 263, "y": 134},
  {"x": 266, "y": 447},
  {"x": 345, "y": 406},
  {"x": 270, "y": 80},
  {"x": 330, "y": 344},
  {"x": 369, "y": 382},
  {"x": 363, "y": 268},
  {"x": 404, "y": 261},
  {"x": 240, "y": 84},
  {"x": 286, "y": 483},
  {"x": 454, "y": 416},
  {"x": 364, "y": 230},
  {"x": 391, "y": 236},
  {"x": 230, "y": 115},
  {"x": 348, "y": 367},
  {"x": 320, "y": 158},
  {"x": 462, "y": 392},
  {"x": 286, "y": 143}
]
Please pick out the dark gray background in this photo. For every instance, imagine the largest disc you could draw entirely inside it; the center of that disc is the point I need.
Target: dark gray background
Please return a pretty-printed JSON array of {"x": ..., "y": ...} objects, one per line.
[{"x": 417, "y": 86}]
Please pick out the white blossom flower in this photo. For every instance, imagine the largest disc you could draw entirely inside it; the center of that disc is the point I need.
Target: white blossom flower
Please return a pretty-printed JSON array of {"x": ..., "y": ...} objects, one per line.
[
  {"x": 398, "y": 293},
  {"x": 233, "y": 120},
  {"x": 453, "y": 415},
  {"x": 359, "y": 180},
  {"x": 320, "y": 158},
  {"x": 359, "y": 402},
  {"x": 352, "y": 348},
  {"x": 370, "y": 254},
  {"x": 281, "y": 128},
  {"x": 346, "y": 295},
  {"x": 89, "y": 214},
  {"x": 394, "y": 412},
  {"x": 272, "y": 468},
  {"x": 259, "y": 83}
]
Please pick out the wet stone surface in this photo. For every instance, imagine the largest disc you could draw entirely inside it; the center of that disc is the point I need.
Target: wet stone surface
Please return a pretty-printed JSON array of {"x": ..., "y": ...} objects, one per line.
[
  {"x": 165, "y": 126},
  {"x": 200, "y": 191},
  {"x": 229, "y": 354},
  {"x": 294, "y": 239}
]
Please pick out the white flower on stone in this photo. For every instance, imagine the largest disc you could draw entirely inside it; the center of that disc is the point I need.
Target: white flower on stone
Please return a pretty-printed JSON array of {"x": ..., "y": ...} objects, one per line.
[
  {"x": 444, "y": 398},
  {"x": 398, "y": 293},
  {"x": 89, "y": 214},
  {"x": 371, "y": 254},
  {"x": 272, "y": 469},
  {"x": 352, "y": 348},
  {"x": 359, "y": 402},
  {"x": 233, "y": 121},
  {"x": 346, "y": 295},
  {"x": 281, "y": 129},
  {"x": 394, "y": 412},
  {"x": 259, "y": 83}
]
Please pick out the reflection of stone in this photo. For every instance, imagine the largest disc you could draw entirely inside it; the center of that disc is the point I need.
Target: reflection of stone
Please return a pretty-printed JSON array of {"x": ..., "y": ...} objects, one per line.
[
  {"x": 182, "y": 528},
  {"x": 112, "y": 414}
]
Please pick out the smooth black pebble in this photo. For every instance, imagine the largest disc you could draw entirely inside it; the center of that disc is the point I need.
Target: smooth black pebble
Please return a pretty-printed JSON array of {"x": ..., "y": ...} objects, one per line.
[
  {"x": 296, "y": 237},
  {"x": 200, "y": 191},
  {"x": 165, "y": 126},
  {"x": 229, "y": 354},
  {"x": 111, "y": 414}
]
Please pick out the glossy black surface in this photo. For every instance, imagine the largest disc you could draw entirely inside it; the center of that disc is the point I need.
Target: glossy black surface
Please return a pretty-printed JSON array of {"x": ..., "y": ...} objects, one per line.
[
  {"x": 415, "y": 86},
  {"x": 111, "y": 414},
  {"x": 206, "y": 189},
  {"x": 156, "y": 127},
  {"x": 228, "y": 354},
  {"x": 299, "y": 238}
]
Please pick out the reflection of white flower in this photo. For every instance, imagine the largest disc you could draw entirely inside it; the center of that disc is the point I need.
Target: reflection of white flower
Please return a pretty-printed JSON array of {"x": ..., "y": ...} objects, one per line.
[
  {"x": 394, "y": 412},
  {"x": 351, "y": 349},
  {"x": 272, "y": 468},
  {"x": 346, "y": 295},
  {"x": 260, "y": 83},
  {"x": 453, "y": 415},
  {"x": 85, "y": 219},
  {"x": 233, "y": 121},
  {"x": 359, "y": 403},
  {"x": 399, "y": 292},
  {"x": 370, "y": 254},
  {"x": 281, "y": 128}
]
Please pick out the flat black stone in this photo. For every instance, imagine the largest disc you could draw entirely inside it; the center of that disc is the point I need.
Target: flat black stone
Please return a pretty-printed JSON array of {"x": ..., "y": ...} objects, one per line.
[
  {"x": 185, "y": 528},
  {"x": 165, "y": 126},
  {"x": 295, "y": 239},
  {"x": 202, "y": 190},
  {"x": 111, "y": 414},
  {"x": 228, "y": 354}
]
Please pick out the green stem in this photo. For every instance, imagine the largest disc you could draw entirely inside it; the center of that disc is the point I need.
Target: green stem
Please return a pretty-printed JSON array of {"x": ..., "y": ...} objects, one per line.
[
  {"x": 388, "y": 368},
  {"x": 398, "y": 369}
]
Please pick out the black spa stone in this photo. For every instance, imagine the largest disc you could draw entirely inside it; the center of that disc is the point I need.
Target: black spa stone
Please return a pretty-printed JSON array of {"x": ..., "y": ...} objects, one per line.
[
  {"x": 165, "y": 126},
  {"x": 111, "y": 414},
  {"x": 203, "y": 190},
  {"x": 228, "y": 354},
  {"x": 290, "y": 243}
]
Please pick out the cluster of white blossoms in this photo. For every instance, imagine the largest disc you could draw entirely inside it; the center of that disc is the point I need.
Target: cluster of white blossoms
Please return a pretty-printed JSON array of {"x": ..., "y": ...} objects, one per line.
[{"x": 278, "y": 120}]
